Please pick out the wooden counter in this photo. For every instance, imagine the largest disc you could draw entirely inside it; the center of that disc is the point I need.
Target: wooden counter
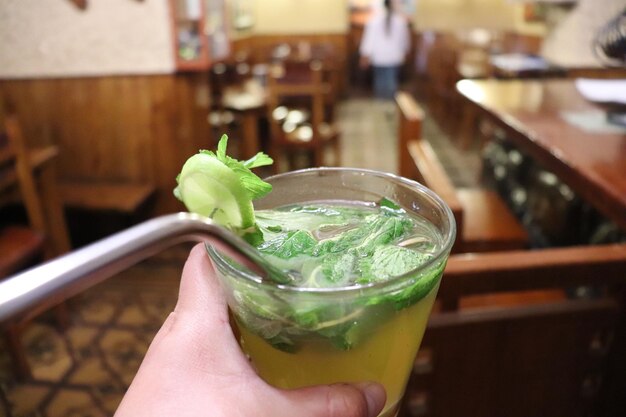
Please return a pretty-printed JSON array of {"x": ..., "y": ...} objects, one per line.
[{"x": 531, "y": 111}]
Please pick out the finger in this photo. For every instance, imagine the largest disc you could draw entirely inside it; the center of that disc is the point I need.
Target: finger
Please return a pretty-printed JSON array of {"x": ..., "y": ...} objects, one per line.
[
  {"x": 338, "y": 400},
  {"x": 200, "y": 330},
  {"x": 200, "y": 293}
]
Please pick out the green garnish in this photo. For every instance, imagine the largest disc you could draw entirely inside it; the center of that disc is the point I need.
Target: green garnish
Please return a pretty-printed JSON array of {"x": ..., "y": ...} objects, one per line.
[
  {"x": 220, "y": 187},
  {"x": 360, "y": 249},
  {"x": 289, "y": 245},
  {"x": 321, "y": 245}
]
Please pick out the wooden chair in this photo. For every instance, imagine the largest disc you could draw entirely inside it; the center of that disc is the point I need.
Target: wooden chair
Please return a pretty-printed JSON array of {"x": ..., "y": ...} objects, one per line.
[
  {"x": 562, "y": 357},
  {"x": 225, "y": 76},
  {"x": 306, "y": 89},
  {"x": 31, "y": 173},
  {"x": 484, "y": 222},
  {"x": 442, "y": 67},
  {"x": 19, "y": 245}
]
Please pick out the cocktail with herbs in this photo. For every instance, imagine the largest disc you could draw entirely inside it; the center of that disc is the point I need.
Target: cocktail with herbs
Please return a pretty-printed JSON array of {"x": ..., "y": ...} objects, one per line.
[{"x": 363, "y": 253}]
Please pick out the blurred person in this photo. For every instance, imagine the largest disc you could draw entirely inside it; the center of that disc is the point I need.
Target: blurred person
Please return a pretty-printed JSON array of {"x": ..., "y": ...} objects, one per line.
[
  {"x": 384, "y": 46},
  {"x": 195, "y": 367}
]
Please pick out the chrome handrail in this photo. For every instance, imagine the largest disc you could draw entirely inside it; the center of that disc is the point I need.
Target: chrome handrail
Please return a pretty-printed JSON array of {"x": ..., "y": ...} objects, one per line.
[{"x": 68, "y": 275}]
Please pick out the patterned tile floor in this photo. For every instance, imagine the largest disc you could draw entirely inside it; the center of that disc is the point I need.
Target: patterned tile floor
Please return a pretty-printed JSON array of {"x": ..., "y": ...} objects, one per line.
[
  {"x": 369, "y": 139},
  {"x": 84, "y": 370},
  {"x": 368, "y": 134}
]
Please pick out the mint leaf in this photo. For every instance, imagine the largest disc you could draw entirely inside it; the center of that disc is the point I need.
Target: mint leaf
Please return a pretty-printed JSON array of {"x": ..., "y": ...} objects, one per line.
[
  {"x": 389, "y": 207},
  {"x": 419, "y": 288},
  {"x": 313, "y": 316},
  {"x": 347, "y": 240},
  {"x": 339, "y": 268},
  {"x": 342, "y": 336},
  {"x": 221, "y": 147},
  {"x": 339, "y": 323},
  {"x": 389, "y": 261},
  {"x": 254, "y": 237},
  {"x": 299, "y": 218},
  {"x": 385, "y": 202},
  {"x": 372, "y": 233},
  {"x": 258, "y": 160},
  {"x": 252, "y": 306},
  {"x": 385, "y": 230},
  {"x": 255, "y": 186},
  {"x": 284, "y": 343},
  {"x": 289, "y": 245}
]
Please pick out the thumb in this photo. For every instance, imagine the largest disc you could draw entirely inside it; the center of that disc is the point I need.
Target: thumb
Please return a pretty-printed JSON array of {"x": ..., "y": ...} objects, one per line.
[{"x": 365, "y": 399}]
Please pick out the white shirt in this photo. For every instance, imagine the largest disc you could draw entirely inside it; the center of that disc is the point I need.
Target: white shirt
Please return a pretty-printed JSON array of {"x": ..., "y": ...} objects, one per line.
[{"x": 382, "y": 48}]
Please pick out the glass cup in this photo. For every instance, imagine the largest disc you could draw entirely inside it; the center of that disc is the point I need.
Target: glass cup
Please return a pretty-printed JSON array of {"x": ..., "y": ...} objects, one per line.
[{"x": 355, "y": 333}]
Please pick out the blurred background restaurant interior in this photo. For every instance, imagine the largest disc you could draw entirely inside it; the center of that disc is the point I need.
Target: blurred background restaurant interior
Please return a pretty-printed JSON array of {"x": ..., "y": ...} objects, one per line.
[{"x": 512, "y": 110}]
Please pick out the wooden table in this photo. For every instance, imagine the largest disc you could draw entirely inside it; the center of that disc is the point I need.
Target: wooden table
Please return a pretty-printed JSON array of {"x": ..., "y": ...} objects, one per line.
[
  {"x": 522, "y": 65},
  {"x": 530, "y": 111}
]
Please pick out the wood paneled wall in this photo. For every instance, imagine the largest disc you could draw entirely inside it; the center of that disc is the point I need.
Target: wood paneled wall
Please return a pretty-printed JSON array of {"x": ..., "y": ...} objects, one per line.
[{"x": 127, "y": 128}]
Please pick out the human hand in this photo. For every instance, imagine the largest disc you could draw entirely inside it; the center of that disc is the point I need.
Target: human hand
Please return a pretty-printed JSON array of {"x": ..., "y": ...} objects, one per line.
[
  {"x": 195, "y": 367},
  {"x": 364, "y": 62}
]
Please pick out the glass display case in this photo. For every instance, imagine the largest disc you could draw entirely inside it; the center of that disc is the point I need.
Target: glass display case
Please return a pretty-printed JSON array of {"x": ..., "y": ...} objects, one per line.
[{"x": 200, "y": 33}]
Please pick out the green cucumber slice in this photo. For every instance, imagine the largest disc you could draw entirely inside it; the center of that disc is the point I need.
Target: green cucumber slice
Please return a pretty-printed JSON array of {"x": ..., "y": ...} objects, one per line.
[{"x": 208, "y": 187}]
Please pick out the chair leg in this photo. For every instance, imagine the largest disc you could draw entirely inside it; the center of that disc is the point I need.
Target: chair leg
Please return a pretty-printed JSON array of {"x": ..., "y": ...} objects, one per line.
[
  {"x": 318, "y": 156},
  {"x": 275, "y": 153},
  {"x": 59, "y": 240},
  {"x": 467, "y": 126},
  {"x": 62, "y": 316},
  {"x": 17, "y": 352},
  {"x": 337, "y": 152}
]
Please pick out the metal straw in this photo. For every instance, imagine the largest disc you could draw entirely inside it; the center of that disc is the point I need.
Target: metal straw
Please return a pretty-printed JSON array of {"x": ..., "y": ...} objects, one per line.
[{"x": 68, "y": 275}]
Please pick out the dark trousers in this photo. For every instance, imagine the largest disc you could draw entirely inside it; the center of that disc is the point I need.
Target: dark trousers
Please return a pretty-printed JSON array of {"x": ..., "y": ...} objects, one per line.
[{"x": 385, "y": 81}]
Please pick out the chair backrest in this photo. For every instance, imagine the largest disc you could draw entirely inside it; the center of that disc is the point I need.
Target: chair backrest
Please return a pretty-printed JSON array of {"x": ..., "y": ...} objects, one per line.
[
  {"x": 227, "y": 73},
  {"x": 561, "y": 357},
  {"x": 32, "y": 172},
  {"x": 517, "y": 42},
  {"x": 416, "y": 158},
  {"x": 15, "y": 169},
  {"x": 442, "y": 62},
  {"x": 297, "y": 82},
  {"x": 411, "y": 117}
]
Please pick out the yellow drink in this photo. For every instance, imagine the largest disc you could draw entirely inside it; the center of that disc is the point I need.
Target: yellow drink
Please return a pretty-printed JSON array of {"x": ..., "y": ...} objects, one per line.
[
  {"x": 385, "y": 355},
  {"x": 361, "y": 276}
]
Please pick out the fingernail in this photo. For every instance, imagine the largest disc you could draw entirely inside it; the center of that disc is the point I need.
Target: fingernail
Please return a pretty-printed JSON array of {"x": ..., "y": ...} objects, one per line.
[{"x": 374, "y": 395}]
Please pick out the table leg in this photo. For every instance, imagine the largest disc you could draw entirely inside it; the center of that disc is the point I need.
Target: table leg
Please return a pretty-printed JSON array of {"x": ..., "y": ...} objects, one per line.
[
  {"x": 468, "y": 125},
  {"x": 250, "y": 144}
]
